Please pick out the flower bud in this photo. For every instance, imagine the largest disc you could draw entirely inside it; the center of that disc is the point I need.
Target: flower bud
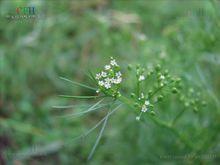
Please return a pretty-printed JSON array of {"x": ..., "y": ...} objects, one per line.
[
  {"x": 151, "y": 106},
  {"x": 133, "y": 95},
  {"x": 158, "y": 67},
  {"x": 195, "y": 109},
  {"x": 160, "y": 98},
  {"x": 168, "y": 77},
  {"x": 118, "y": 94},
  {"x": 129, "y": 67},
  {"x": 166, "y": 72},
  {"x": 150, "y": 92},
  {"x": 186, "y": 104},
  {"x": 174, "y": 90},
  {"x": 136, "y": 104},
  {"x": 204, "y": 103},
  {"x": 150, "y": 73},
  {"x": 192, "y": 102},
  {"x": 159, "y": 74},
  {"x": 138, "y": 66},
  {"x": 152, "y": 113},
  {"x": 178, "y": 80}
]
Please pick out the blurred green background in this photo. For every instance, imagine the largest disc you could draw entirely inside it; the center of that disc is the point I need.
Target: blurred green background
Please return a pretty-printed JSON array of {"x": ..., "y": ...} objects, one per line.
[{"x": 70, "y": 37}]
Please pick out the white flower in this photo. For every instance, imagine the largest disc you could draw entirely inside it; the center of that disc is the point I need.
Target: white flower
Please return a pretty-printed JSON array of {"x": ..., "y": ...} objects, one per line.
[
  {"x": 147, "y": 102},
  {"x": 162, "y": 77},
  {"x": 107, "y": 67},
  {"x": 107, "y": 85},
  {"x": 104, "y": 74},
  {"x": 101, "y": 83},
  {"x": 142, "y": 95},
  {"x": 113, "y": 62},
  {"x": 141, "y": 78},
  {"x": 118, "y": 74},
  {"x": 137, "y": 118},
  {"x": 117, "y": 81},
  {"x": 108, "y": 80},
  {"x": 144, "y": 108},
  {"x": 97, "y": 91},
  {"x": 105, "y": 78},
  {"x": 98, "y": 76}
]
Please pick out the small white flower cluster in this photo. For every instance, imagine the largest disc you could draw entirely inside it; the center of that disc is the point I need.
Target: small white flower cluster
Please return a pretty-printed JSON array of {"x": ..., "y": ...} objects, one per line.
[
  {"x": 142, "y": 97},
  {"x": 144, "y": 107},
  {"x": 141, "y": 78},
  {"x": 162, "y": 78},
  {"x": 110, "y": 77},
  {"x": 138, "y": 118}
]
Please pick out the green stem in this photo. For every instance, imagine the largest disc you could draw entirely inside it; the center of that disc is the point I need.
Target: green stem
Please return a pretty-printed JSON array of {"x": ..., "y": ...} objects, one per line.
[
  {"x": 138, "y": 88},
  {"x": 162, "y": 124},
  {"x": 178, "y": 116},
  {"x": 158, "y": 89},
  {"x": 172, "y": 129},
  {"x": 126, "y": 101}
]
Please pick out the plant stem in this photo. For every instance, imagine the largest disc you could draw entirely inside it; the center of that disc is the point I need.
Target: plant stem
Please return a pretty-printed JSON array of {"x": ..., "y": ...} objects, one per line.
[
  {"x": 168, "y": 126},
  {"x": 178, "y": 116},
  {"x": 126, "y": 101},
  {"x": 171, "y": 128},
  {"x": 138, "y": 88}
]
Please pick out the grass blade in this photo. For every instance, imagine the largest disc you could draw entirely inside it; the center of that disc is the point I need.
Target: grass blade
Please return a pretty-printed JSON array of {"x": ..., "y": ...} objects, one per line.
[{"x": 77, "y": 83}]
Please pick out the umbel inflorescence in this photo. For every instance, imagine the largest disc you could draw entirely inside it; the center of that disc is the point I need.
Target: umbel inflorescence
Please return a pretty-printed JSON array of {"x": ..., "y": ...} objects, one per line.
[
  {"x": 109, "y": 79},
  {"x": 150, "y": 86},
  {"x": 109, "y": 82}
]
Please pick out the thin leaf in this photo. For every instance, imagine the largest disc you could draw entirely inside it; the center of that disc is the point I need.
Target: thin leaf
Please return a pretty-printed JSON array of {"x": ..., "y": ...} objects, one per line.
[
  {"x": 67, "y": 106},
  {"x": 99, "y": 137},
  {"x": 82, "y": 113},
  {"x": 77, "y": 83},
  {"x": 95, "y": 126},
  {"x": 80, "y": 97},
  {"x": 92, "y": 108},
  {"x": 91, "y": 76},
  {"x": 34, "y": 151},
  {"x": 73, "y": 106}
]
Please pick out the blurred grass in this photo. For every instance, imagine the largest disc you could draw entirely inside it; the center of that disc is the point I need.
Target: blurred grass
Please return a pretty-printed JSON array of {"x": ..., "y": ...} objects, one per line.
[{"x": 71, "y": 37}]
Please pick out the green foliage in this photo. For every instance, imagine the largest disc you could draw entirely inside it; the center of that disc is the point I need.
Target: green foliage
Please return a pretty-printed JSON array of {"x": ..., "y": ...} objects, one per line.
[{"x": 70, "y": 38}]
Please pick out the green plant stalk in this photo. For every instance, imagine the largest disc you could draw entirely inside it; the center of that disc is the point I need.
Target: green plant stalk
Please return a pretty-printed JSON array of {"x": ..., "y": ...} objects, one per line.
[
  {"x": 126, "y": 101},
  {"x": 178, "y": 116},
  {"x": 187, "y": 143},
  {"x": 138, "y": 88},
  {"x": 172, "y": 129}
]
